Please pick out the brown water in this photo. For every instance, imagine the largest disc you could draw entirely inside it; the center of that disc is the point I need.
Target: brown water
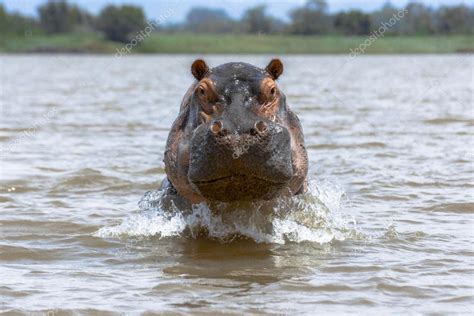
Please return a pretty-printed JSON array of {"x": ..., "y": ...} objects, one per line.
[{"x": 387, "y": 226}]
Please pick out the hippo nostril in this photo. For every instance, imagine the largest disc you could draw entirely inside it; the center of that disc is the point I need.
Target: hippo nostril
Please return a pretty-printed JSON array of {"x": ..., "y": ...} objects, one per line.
[
  {"x": 261, "y": 126},
  {"x": 216, "y": 127}
]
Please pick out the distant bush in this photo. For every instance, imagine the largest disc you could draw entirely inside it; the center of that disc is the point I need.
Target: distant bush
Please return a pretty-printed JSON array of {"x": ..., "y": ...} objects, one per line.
[
  {"x": 119, "y": 23},
  {"x": 310, "y": 19},
  {"x": 206, "y": 20},
  {"x": 455, "y": 20},
  {"x": 61, "y": 17},
  {"x": 15, "y": 23},
  {"x": 352, "y": 23}
]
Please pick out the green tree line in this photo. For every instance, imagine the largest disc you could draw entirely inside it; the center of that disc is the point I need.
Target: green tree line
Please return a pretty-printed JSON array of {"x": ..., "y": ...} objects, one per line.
[{"x": 120, "y": 23}]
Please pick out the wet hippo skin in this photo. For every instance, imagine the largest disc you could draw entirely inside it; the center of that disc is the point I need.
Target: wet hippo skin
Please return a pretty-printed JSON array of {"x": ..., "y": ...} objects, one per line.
[{"x": 235, "y": 138}]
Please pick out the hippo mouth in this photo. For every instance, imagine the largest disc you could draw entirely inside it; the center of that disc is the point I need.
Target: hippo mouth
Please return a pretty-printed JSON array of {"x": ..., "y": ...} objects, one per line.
[
  {"x": 232, "y": 177},
  {"x": 239, "y": 187}
]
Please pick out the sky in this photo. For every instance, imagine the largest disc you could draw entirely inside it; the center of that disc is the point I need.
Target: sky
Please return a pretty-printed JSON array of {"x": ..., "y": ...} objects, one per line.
[{"x": 235, "y": 8}]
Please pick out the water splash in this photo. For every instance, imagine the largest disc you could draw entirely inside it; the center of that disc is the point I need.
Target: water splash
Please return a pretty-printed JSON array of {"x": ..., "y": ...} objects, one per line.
[{"x": 314, "y": 216}]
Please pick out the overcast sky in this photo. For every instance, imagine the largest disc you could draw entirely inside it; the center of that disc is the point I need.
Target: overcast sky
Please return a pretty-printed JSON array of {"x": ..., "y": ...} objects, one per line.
[{"x": 153, "y": 8}]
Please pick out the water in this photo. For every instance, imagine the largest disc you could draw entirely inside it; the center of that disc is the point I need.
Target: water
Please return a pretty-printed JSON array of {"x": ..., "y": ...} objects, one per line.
[{"x": 386, "y": 227}]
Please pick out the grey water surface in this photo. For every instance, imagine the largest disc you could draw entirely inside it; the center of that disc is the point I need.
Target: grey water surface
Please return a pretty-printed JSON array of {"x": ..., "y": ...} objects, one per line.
[{"x": 387, "y": 226}]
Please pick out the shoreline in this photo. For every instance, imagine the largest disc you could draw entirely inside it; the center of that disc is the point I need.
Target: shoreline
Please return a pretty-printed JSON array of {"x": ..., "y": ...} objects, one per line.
[{"x": 239, "y": 44}]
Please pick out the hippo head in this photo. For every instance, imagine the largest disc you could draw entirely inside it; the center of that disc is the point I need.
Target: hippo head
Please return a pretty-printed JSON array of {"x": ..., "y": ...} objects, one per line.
[{"x": 235, "y": 137}]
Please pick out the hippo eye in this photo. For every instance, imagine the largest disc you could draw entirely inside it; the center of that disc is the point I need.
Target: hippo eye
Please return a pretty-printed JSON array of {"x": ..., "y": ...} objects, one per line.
[
  {"x": 201, "y": 91},
  {"x": 273, "y": 91},
  {"x": 206, "y": 95}
]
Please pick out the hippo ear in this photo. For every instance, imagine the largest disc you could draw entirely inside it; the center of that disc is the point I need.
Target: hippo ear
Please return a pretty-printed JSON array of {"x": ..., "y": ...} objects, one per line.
[
  {"x": 199, "y": 69},
  {"x": 274, "y": 68}
]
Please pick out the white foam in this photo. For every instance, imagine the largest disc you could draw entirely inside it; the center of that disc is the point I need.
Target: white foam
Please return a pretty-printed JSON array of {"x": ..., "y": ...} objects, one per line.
[{"x": 314, "y": 216}]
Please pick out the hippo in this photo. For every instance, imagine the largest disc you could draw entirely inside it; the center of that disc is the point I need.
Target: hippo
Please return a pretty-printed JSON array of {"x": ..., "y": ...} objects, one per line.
[{"x": 235, "y": 138}]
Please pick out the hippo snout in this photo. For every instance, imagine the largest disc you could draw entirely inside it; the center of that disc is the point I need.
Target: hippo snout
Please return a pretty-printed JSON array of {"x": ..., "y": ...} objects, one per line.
[{"x": 231, "y": 161}]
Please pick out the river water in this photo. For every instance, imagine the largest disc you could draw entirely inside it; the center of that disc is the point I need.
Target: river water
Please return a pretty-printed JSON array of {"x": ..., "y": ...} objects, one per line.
[{"x": 386, "y": 227}]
